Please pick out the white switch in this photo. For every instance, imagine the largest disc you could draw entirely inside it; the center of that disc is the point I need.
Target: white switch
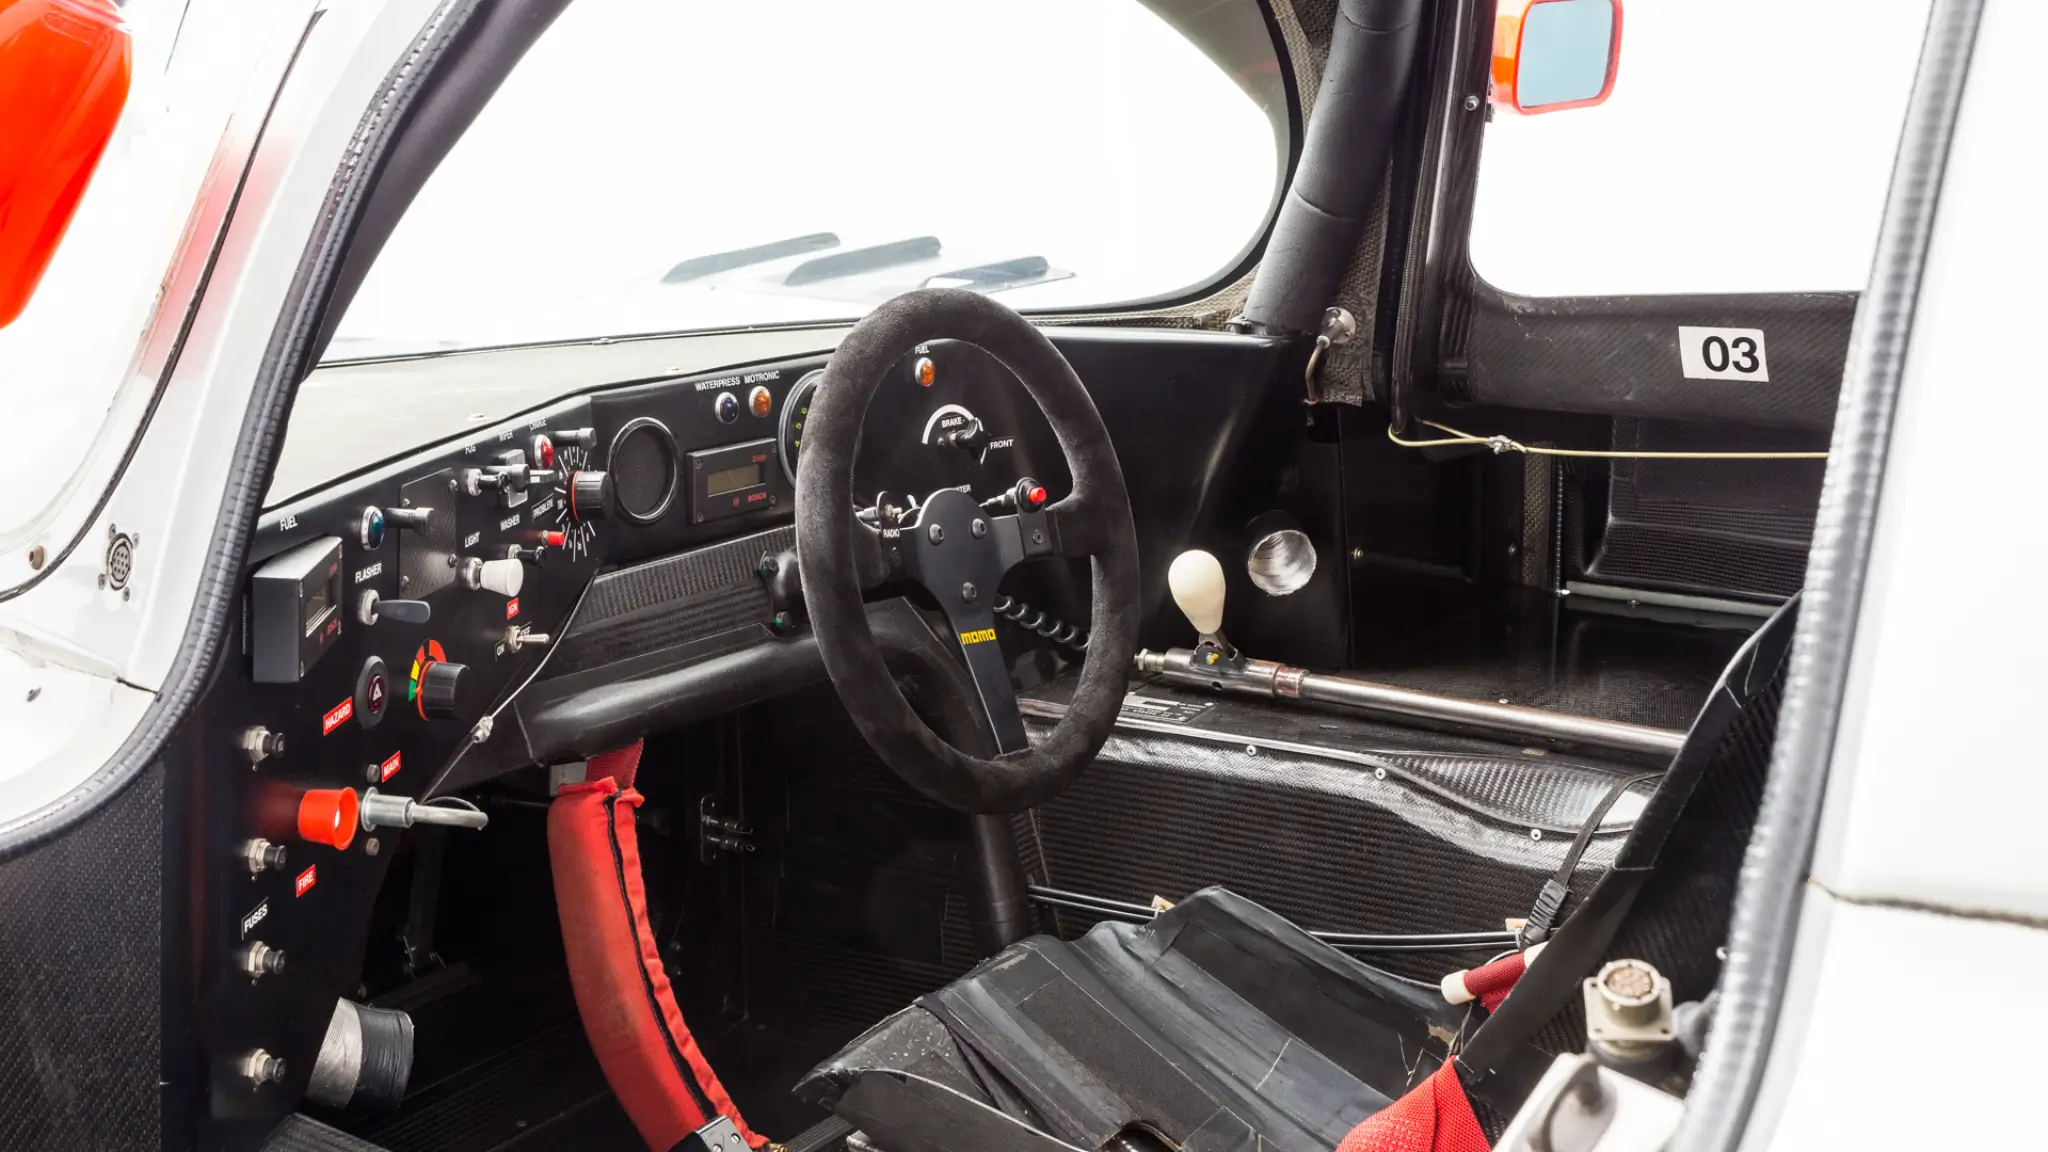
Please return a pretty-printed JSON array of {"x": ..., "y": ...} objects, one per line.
[
  {"x": 1196, "y": 579},
  {"x": 505, "y": 577}
]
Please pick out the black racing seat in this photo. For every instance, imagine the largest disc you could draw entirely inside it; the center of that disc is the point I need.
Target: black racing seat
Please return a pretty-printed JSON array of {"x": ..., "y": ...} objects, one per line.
[{"x": 1218, "y": 1026}]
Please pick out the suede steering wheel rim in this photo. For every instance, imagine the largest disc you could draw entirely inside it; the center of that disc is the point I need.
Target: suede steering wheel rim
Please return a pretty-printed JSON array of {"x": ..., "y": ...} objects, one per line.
[{"x": 840, "y": 558}]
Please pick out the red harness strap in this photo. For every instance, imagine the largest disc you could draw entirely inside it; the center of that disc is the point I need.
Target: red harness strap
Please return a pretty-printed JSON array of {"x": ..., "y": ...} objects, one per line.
[
  {"x": 622, "y": 992},
  {"x": 1434, "y": 1116}
]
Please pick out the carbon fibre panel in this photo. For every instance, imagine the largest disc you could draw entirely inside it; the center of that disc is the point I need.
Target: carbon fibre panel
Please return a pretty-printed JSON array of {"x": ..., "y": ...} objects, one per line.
[
  {"x": 81, "y": 983},
  {"x": 1618, "y": 355},
  {"x": 683, "y": 598},
  {"x": 1324, "y": 842}
]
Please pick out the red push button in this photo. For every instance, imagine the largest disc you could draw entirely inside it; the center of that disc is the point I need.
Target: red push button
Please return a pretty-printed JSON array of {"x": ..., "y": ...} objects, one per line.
[
  {"x": 1036, "y": 496},
  {"x": 554, "y": 539},
  {"x": 328, "y": 816}
]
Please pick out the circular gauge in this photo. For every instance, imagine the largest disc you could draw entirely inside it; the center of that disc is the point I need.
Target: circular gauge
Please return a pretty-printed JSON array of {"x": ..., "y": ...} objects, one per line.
[
  {"x": 644, "y": 470},
  {"x": 794, "y": 410}
]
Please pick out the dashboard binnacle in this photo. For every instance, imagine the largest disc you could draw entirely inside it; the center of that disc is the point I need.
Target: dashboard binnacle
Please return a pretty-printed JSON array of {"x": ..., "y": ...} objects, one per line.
[{"x": 390, "y": 620}]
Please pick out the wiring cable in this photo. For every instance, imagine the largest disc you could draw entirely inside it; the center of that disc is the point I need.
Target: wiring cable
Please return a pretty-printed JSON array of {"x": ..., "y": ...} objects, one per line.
[{"x": 1501, "y": 444}]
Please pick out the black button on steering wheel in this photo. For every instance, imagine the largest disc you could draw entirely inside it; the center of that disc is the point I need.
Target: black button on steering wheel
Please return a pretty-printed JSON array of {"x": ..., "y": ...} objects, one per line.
[{"x": 940, "y": 547}]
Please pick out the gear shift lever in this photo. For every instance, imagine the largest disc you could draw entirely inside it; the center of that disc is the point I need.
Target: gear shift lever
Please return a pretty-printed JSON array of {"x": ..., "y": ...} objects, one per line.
[{"x": 1196, "y": 580}]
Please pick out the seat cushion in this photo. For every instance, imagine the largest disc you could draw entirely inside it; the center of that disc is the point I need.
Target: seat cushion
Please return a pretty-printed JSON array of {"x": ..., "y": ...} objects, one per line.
[{"x": 1218, "y": 1024}]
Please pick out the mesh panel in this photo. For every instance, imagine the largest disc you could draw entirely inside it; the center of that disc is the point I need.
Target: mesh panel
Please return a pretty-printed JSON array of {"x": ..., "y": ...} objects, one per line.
[
  {"x": 80, "y": 984},
  {"x": 642, "y": 471}
]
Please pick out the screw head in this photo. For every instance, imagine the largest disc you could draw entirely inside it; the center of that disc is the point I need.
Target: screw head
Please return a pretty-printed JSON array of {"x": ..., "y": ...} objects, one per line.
[
  {"x": 1471, "y": 103},
  {"x": 969, "y": 593},
  {"x": 1038, "y": 535},
  {"x": 980, "y": 528},
  {"x": 371, "y": 847},
  {"x": 936, "y": 534},
  {"x": 35, "y": 558}
]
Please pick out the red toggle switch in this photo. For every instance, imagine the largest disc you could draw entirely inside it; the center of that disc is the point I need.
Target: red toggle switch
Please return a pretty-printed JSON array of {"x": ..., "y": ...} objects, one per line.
[
  {"x": 328, "y": 816},
  {"x": 554, "y": 539}
]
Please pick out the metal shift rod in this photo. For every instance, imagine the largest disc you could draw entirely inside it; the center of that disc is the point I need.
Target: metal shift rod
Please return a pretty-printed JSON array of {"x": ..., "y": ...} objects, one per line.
[{"x": 1196, "y": 580}]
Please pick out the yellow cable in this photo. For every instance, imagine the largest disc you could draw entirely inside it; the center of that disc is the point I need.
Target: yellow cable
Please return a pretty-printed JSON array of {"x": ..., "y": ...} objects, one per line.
[{"x": 1503, "y": 444}]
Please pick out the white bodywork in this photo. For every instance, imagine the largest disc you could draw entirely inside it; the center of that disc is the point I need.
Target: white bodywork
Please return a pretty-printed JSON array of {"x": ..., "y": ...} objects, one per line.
[
  {"x": 1931, "y": 874},
  {"x": 77, "y": 641}
]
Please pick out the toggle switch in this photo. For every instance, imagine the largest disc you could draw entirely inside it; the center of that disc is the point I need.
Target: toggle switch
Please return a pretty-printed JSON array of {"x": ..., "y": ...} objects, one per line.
[
  {"x": 260, "y": 959},
  {"x": 371, "y": 608},
  {"x": 408, "y": 517},
  {"x": 263, "y": 856},
  {"x": 517, "y": 638},
  {"x": 261, "y": 743}
]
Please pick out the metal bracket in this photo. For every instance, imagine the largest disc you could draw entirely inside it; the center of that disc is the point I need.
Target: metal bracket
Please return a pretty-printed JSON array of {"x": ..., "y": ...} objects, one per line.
[
  {"x": 718, "y": 833},
  {"x": 717, "y": 1136},
  {"x": 1338, "y": 327}
]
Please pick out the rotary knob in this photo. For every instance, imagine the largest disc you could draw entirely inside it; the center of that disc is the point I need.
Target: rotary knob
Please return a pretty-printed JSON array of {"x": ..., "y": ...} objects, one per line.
[
  {"x": 590, "y": 496},
  {"x": 442, "y": 690}
]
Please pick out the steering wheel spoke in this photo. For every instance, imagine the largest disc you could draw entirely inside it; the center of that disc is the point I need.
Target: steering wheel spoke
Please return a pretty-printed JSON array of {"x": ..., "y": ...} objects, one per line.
[
  {"x": 877, "y": 557},
  {"x": 990, "y": 671}
]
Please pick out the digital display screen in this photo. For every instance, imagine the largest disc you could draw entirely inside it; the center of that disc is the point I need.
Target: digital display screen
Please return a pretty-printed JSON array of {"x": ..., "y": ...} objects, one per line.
[
  {"x": 321, "y": 600},
  {"x": 733, "y": 479}
]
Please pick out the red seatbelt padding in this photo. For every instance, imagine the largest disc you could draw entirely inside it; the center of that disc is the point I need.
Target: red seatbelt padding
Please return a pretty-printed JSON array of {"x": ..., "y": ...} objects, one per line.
[
  {"x": 1433, "y": 1116},
  {"x": 1489, "y": 983},
  {"x": 622, "y": 991}
]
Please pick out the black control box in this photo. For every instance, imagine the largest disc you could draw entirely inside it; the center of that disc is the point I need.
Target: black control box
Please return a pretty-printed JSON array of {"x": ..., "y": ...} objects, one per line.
[
  {"x": 735, "y": 480},
  {"x": 295, "y": 611}
]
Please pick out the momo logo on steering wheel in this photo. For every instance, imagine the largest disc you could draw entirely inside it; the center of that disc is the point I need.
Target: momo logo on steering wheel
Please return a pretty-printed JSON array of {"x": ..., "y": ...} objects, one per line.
[{"x": 978, "y": 636}]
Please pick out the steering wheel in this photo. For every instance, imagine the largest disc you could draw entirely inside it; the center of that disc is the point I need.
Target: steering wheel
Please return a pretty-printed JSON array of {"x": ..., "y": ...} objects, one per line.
[{"x": 959, "y": 551}]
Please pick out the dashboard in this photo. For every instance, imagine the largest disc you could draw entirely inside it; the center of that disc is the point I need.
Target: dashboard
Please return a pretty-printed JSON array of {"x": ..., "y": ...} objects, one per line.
[{"x": 450, "y": 614}]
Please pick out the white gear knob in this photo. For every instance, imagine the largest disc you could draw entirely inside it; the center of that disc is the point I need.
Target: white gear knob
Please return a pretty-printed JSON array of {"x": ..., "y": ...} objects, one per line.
[
  {"x": 505, "y": 577},
  {"x": 1196, "y": 580}
]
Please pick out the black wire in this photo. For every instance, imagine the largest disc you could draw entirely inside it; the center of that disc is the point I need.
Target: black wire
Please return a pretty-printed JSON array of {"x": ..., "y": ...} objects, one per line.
[
  {"x": 1342, "y": 941},
  {"x": 1543, "y": 916}
]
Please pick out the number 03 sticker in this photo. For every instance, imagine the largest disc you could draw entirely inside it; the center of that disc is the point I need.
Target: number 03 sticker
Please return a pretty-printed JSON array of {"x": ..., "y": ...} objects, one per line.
[{"x": 1722, "y": 353}]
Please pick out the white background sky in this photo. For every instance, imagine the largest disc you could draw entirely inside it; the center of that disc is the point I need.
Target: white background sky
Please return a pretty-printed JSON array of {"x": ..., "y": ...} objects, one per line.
[
  {"x": 641, "y": 132},
  {"x": 1746, "y": 148}
]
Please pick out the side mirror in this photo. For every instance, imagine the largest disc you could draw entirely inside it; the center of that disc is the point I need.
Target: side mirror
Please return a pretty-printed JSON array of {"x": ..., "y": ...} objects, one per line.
[
  {"x": 63, "y": 78},
  {"x": 1550, "y": 55}
]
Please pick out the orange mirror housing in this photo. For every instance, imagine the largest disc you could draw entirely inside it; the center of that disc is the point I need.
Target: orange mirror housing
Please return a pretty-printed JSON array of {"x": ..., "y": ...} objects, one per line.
[
  {"x": 64, "y": 71},
  {"x": 1551, "y": 55}
]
